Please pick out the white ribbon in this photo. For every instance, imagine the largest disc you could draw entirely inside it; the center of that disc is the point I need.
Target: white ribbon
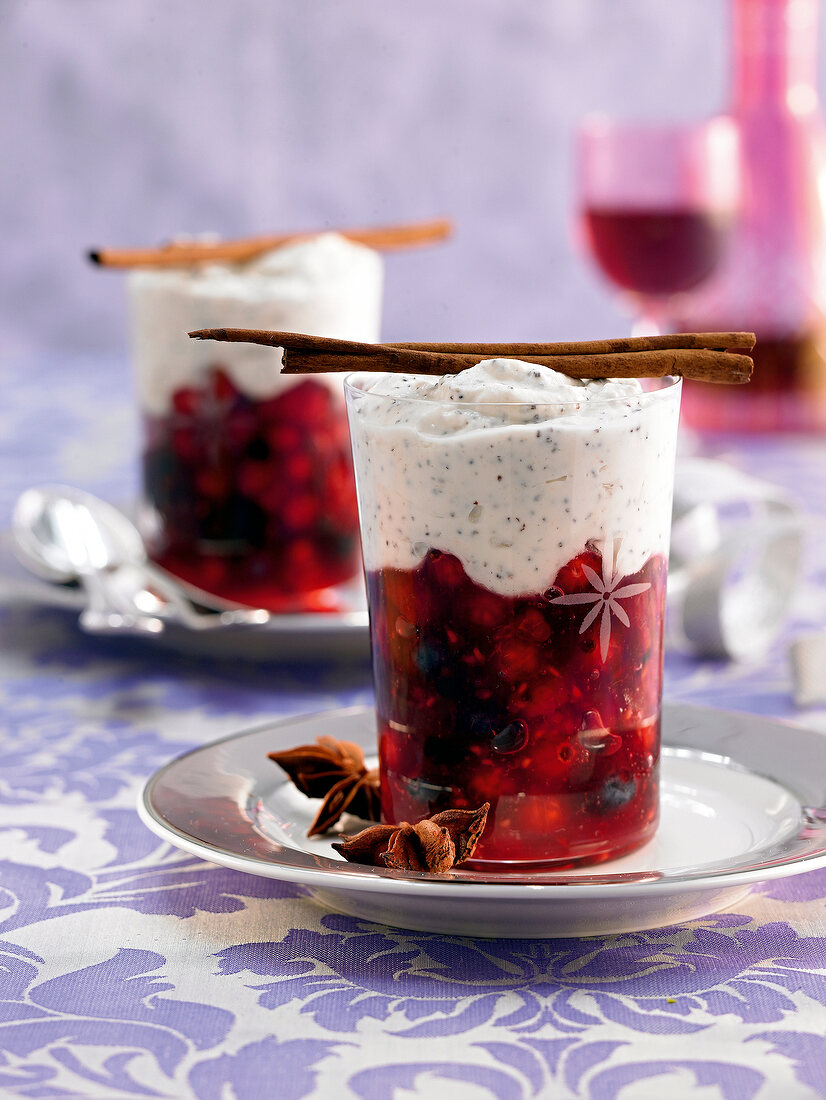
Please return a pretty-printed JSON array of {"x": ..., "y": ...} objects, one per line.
[{"x": 736, "y": 547}]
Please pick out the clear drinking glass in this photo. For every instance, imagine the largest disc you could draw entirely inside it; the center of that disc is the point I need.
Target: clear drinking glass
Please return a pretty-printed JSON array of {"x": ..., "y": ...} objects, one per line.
[
  {"x": 516, "y": 580},
  {"x": 657, "y": 205},
  {"x": 248, "y": 490}
]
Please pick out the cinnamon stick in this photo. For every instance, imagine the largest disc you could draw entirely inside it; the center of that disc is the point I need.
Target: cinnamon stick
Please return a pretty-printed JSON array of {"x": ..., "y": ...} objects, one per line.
[
  {"x": 385, "y": 238},
  {"x": 699, "y": 356},
  {"x": 713, "y": 341},
  {"x": 699, "y": 365}
]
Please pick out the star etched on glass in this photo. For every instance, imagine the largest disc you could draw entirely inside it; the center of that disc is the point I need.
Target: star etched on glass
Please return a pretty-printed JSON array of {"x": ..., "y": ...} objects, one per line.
[{"x": 606, "y": 595}]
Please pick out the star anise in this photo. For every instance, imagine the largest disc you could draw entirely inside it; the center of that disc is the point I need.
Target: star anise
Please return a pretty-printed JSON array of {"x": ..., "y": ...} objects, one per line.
[
  {"x": 335, "y": 771},
  {"x": 434, "y": 844}
]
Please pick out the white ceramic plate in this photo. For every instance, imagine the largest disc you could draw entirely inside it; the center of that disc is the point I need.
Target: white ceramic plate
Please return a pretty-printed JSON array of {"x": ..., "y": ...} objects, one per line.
[
  {"x": 743, "y": 801},
  {"x": 341, "y": 633}
]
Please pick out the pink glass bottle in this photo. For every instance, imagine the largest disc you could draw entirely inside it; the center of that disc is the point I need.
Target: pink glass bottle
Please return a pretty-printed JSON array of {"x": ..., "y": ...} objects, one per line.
[{"x": 773, "y": 281}]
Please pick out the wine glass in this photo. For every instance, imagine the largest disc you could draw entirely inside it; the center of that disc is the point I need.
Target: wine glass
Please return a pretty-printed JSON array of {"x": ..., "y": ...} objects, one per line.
[{"x": 657, "y": 206}]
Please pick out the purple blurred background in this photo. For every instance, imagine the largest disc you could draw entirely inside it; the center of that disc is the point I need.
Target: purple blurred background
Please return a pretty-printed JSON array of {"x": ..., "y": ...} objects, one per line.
[{"x": 124, "y": 123}]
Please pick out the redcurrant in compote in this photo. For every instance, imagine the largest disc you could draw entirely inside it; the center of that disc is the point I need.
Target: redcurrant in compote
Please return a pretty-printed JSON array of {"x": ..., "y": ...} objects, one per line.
[
  {"x": 547, "y": 706},
  {"x": 253, "y": 500}
]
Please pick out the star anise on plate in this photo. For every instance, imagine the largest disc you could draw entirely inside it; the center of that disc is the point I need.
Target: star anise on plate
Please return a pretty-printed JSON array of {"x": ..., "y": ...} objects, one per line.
[
  {"x": 434, "y": 844},
  {"x": 335, "y": 771}
]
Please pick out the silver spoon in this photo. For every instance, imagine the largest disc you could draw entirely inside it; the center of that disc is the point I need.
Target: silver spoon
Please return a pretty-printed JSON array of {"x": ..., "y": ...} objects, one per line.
[{"x": 64, "y": 534}]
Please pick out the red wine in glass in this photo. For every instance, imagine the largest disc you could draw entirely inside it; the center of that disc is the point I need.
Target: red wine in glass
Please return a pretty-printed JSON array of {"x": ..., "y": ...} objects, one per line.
[
  {"x": 656, "y": 251},
  {"x": 657, "y": 203}
]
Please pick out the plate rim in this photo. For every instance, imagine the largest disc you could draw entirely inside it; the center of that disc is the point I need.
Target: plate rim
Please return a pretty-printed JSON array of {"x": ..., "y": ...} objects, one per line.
[{"x": 338, "y": 875}]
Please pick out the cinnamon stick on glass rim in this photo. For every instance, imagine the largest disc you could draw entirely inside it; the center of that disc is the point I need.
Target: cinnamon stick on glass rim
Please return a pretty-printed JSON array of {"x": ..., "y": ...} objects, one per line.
[
  {"x": 701, "y": 356},
  {"x": 385, "y": 238}
]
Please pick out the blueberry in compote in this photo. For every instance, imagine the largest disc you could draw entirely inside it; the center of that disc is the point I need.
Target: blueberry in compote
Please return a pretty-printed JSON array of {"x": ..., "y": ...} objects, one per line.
[
  {"x": 512, "y": 738},
  {"x": 615, "y": 792},
  {"x": 480, "y": 725},
  {"x": 429, "y": 658}
]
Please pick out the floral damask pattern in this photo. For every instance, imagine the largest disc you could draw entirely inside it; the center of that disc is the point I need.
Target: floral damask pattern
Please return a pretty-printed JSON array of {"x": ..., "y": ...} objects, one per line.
[
  {"x": 657, "y": 982},
  {"x": 128, "y": 969}
]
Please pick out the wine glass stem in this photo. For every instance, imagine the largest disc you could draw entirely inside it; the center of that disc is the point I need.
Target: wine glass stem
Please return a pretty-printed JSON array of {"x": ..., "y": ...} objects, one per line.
[{"x": 652, "y": 318}]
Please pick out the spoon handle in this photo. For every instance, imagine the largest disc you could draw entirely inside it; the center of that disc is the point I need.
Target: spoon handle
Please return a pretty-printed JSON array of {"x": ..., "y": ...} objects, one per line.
[
  {"x": 105, "y": 612},
  {"x": 180, "y": 606}
]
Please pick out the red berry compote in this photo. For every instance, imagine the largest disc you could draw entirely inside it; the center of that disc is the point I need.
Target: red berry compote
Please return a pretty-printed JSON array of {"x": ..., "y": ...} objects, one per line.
[
  {"x": 515, "y": 532},
  {"x": 248, "y": 489},
  {"x": 253, "y": 501}
]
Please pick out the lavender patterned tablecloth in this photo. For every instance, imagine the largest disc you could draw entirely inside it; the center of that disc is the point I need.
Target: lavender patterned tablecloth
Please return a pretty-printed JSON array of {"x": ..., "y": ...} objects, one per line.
[{"x": 129, "y": 969}]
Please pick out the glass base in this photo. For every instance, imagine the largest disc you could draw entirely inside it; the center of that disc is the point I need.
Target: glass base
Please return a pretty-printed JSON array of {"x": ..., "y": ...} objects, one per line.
[
  {"x": 564, "y": 863},
  {"x": 236, "y": 583}
]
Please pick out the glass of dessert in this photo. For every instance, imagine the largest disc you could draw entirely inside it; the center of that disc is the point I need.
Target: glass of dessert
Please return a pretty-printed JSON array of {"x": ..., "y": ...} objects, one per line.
[
  {"x": 515, "y": 526},
  {"x": 248, "y": 489}
]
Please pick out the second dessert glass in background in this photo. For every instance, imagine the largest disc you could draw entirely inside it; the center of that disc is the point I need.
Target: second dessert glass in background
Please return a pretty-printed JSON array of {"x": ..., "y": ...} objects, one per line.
[
  {"x": 515, "y": 528},
  {"x": 248, "y": 489}
]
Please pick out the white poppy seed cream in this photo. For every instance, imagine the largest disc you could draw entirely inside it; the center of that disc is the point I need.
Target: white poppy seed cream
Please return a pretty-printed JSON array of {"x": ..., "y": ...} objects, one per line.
[
  {"x": 326, "y": 286},
  {"x": 512, "y": 467}
]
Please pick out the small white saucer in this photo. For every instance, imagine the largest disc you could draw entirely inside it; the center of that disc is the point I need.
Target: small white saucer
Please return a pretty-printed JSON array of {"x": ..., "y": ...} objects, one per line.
[
  {"x": 300, "y": 635},
  {"x": 743, "y": 801}
]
